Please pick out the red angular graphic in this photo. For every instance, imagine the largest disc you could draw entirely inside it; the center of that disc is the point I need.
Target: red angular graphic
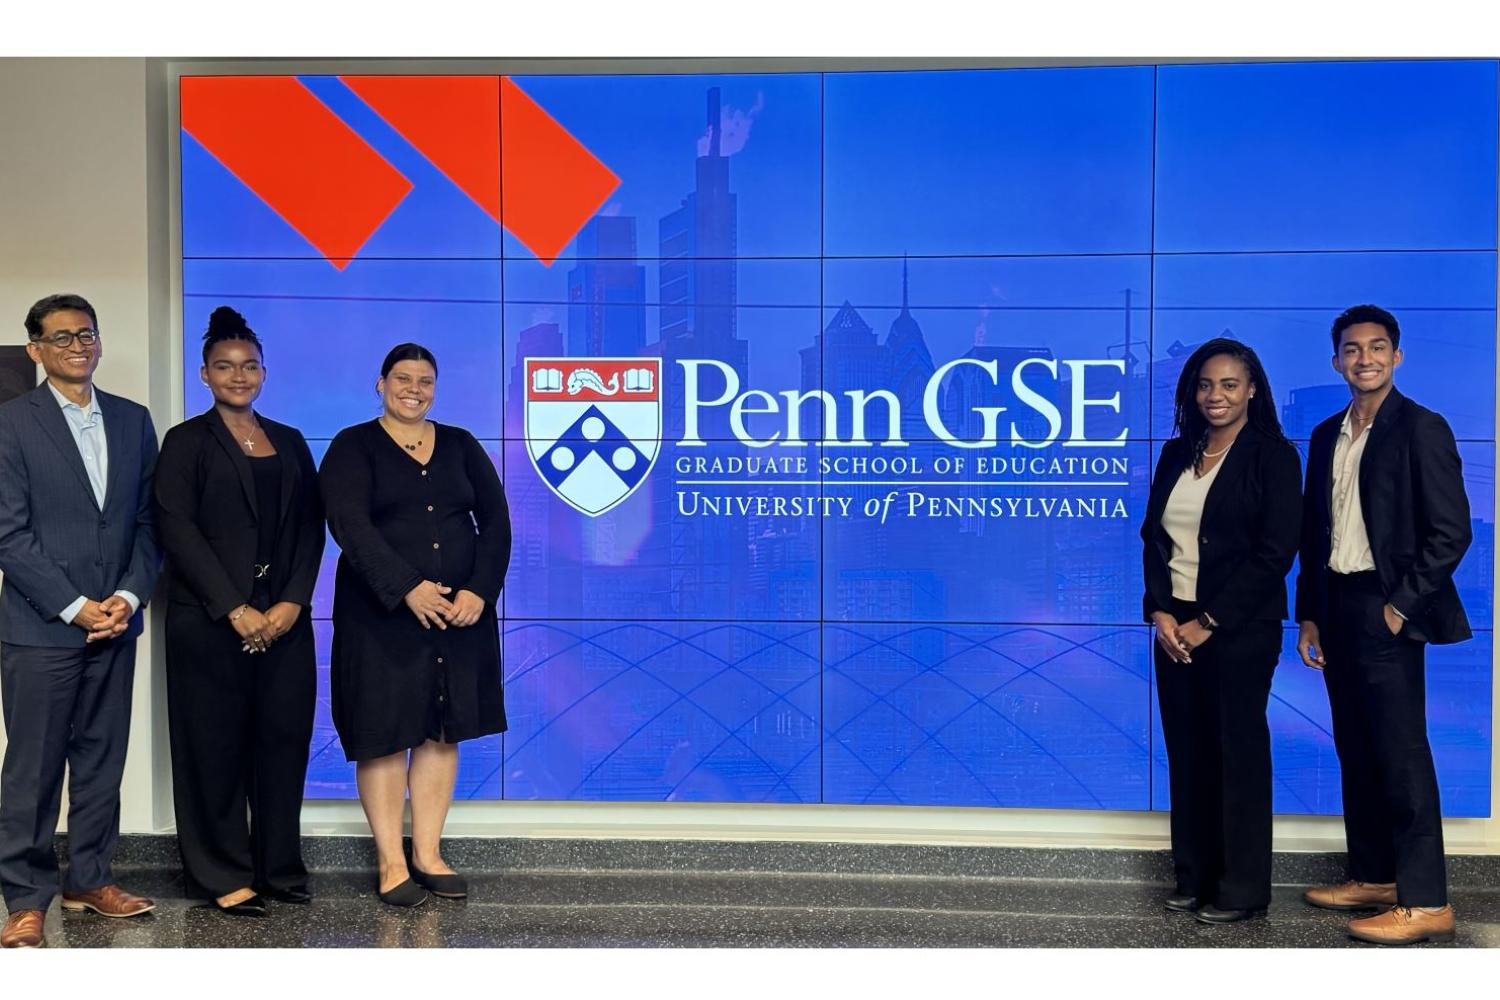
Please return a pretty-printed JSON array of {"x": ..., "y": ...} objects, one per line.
[
  {"x": 454, "y": 121},
  {"x": 297, "y": 156},
  {"x": 552, "y": 184}
]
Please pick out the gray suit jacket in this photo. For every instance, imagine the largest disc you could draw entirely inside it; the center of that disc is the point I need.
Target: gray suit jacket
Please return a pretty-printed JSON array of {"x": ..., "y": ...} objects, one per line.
[{"x": 55, "y": 542}]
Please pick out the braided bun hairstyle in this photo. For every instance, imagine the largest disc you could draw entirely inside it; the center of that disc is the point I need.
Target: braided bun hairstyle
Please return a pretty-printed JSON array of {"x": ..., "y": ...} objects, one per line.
[{"x": 227, "y": 324}]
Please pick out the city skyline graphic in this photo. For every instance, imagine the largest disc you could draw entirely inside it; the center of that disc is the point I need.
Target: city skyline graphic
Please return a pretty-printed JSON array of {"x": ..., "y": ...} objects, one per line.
[{"x": 660, "y": 653}]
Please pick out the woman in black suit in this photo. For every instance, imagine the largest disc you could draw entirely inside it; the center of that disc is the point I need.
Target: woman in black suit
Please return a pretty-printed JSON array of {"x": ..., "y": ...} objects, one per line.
[
  {"x": 241, "y": 522},
  {"x": 421, "y": 518},
  {"x": 1222, "y": 527}
]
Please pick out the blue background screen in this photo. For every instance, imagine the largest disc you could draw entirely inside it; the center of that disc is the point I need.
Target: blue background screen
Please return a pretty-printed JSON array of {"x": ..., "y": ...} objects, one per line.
[{"x": 870, "y": 613}]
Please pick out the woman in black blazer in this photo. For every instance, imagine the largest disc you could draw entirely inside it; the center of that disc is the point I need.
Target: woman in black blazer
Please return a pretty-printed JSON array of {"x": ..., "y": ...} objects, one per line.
[
  {"x": 1222, "y": 527},
  {"x": 241, "y": 522},
  {"x": 420, "y": 516}
]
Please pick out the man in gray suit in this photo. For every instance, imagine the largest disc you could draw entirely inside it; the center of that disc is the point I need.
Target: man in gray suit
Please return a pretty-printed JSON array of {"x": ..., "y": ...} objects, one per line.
[{"x": 79, "y": 556}]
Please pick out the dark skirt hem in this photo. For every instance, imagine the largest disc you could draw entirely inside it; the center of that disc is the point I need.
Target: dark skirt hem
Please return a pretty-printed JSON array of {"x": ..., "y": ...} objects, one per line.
[{"x": 359, "y": 754}]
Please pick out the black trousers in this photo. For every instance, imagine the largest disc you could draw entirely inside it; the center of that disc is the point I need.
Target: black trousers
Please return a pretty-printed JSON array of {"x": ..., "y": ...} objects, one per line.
[
  {"x": 1377, "y": 690},
  {"x": 1213, "y": 718},
  {"x": 240, "y": 726},
  {"x": 62, "y": 707}
]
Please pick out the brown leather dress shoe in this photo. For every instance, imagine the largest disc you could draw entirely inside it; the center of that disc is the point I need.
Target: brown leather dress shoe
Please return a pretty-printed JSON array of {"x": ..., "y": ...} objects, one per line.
[
  {"x": 1404, "y": 925},
  {"x": 1352, "y": 896},
  {"x": 108, "y": 901},
  {"x": 23, "y": 929}
]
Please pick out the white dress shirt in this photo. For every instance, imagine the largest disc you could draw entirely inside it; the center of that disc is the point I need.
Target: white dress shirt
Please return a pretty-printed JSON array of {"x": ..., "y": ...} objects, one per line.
[
  {"x": 1349, "y": 548},
  {"x": 86, "y": 424}
]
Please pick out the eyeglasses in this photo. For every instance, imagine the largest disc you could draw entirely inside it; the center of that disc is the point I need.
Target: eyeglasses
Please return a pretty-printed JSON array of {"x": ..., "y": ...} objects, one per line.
[{"x": 63, "y": 339}]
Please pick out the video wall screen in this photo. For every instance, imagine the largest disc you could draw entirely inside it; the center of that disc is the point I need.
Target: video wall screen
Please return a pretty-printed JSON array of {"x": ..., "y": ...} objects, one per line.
[{"x": 884, "y": 362}]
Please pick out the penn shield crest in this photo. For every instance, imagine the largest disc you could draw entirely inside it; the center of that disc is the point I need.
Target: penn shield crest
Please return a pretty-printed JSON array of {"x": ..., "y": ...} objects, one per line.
[{"x": 593, "y": 427}]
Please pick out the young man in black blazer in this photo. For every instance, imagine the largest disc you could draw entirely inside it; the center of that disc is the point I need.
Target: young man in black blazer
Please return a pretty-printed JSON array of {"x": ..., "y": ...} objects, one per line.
[{"x": 1385, "y": 523}]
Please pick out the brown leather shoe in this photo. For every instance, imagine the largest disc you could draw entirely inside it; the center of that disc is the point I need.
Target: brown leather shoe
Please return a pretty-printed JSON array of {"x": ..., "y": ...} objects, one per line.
[
  {"x": 108, "y": 901},
  {"x": 1404, "y": 925},
  {"x": 23, "y": 930},
  {"x": 1352, "y": 896}
]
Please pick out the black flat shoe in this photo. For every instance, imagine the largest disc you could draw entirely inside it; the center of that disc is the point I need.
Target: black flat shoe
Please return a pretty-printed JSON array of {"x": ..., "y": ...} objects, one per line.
[
  {"x": 408, "y": 893},
  {"x": 299, "y": 896},
  {"x": 252, "y": 907},
  {"x": 1182, "y": 902},
  {"x": 447, "y": 886},
  {"x": 1213, "y": 915}
]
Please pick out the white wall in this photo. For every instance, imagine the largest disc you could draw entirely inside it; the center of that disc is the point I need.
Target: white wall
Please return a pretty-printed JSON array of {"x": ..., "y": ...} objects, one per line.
[
  {"x": 85, "y": 199},
  {"x": 82, "y": 209}
]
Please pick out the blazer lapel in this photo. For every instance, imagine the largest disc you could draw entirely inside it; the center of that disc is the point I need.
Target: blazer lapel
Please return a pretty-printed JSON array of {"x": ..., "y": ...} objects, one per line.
[
  {"x": 1380, "y": 432},
  {"x": 291, "y": 473},
  {"x": 117, "y": 446},
  {"x": 1325, "y": 455},
  {"x": 50, "y": 416},
  {"x": 236, "y": 456},
  {"x": 1227, "y": 481},
  {"x": 1161, "y": 488}
]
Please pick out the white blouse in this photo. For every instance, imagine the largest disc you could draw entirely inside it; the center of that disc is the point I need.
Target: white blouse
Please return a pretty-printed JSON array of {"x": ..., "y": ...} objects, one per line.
[{"x": 1182, "y": 518}]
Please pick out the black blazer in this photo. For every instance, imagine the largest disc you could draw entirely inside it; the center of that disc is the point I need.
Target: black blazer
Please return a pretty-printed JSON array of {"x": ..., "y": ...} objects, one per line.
[
  {"x": 1411, "y": 491},
  {"x": 56, "y": 543},
  {"x": 1247, "y": 538},
  {"x": 208, "y": 518}
]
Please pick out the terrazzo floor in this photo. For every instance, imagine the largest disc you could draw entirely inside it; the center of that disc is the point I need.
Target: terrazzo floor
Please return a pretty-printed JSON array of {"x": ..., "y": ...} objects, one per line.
[{"x": 624, "y": 908}]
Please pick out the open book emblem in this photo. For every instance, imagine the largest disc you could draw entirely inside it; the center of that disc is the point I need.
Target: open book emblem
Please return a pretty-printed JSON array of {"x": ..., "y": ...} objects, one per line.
[{"x": 593, "y": 427}]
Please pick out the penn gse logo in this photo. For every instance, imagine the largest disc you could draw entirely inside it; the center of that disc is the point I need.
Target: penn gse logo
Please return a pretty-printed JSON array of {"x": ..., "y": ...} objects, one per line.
[{"x": 593, "y": 427}]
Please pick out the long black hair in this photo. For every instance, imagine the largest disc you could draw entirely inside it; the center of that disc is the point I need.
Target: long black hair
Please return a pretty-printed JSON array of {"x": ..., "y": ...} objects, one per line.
[
  {"x": 1188, "y": 420},
  {"x": 227, "y": 324}
]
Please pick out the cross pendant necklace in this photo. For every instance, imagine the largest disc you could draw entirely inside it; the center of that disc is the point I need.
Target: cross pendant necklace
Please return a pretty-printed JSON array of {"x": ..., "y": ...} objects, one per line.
[{"x": 249, "y": 439}]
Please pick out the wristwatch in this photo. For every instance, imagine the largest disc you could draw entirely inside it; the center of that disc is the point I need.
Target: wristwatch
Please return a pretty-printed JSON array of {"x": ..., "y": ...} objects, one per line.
[{"x": 1207, "y": 622}]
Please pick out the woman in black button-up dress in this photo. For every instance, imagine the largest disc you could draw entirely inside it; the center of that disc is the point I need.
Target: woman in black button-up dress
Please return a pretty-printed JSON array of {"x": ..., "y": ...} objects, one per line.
[{"x": 421, "y": 518}]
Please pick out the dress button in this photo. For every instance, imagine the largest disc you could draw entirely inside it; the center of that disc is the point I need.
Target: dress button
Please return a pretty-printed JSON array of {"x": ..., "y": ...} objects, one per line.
[
  {"x": 434, "y": 544},
  {"x": 429, "y": 508},
  {"x": 424, "y": 472},
  {"x": 440, "y": 660}
]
